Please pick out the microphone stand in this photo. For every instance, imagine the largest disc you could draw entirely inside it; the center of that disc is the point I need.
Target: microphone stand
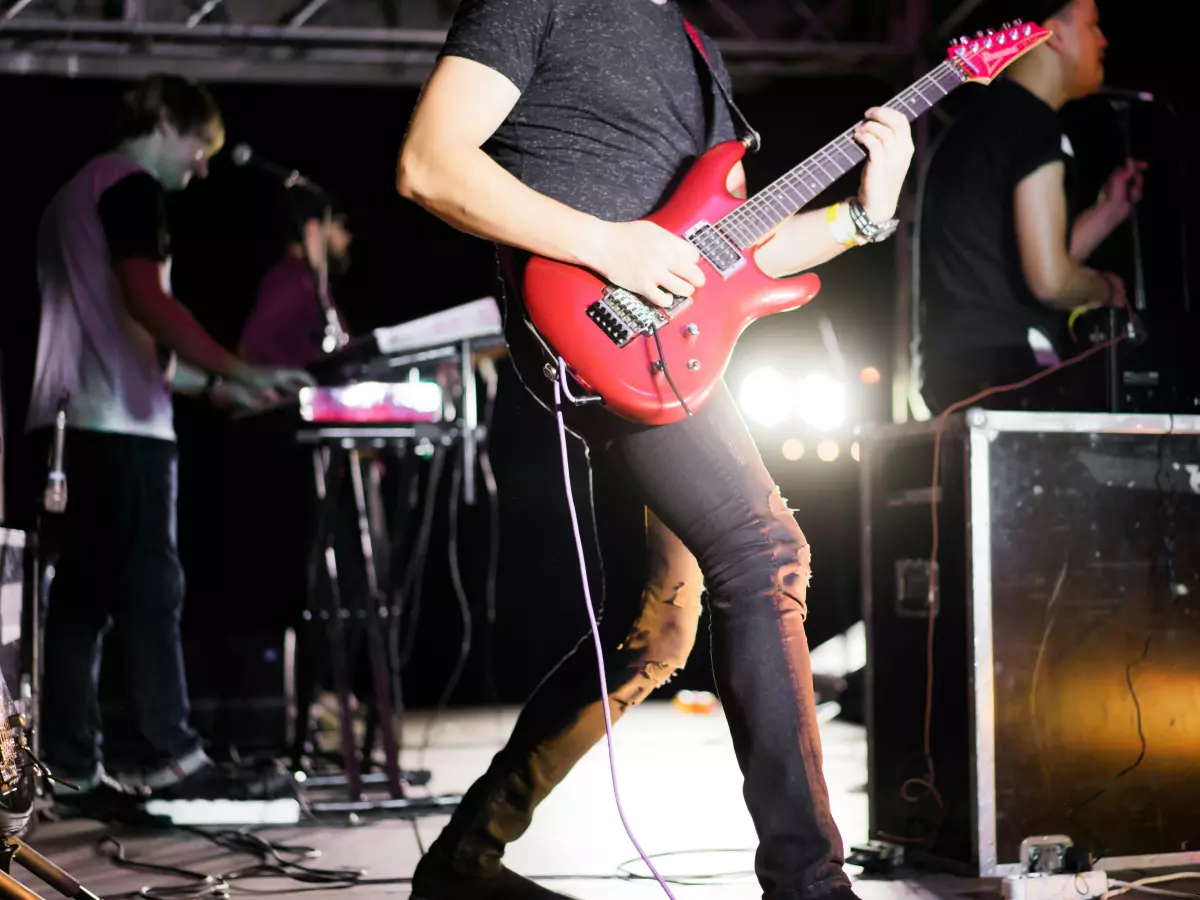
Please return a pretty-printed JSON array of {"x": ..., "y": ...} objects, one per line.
[
  {"x": 42, "y": 555},
  {"x": 335, "y": 336},
  {"x": 1139, "y": 277},
  {"x": 1122, "y": 108}
]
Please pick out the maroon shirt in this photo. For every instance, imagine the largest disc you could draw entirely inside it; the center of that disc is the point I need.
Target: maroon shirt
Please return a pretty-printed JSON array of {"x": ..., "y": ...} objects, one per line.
[{"x": 286, "y": 325}]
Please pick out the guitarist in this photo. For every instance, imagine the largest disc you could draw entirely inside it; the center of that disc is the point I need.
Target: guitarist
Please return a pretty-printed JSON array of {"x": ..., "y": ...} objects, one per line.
[
  {"x": 1002, "y": 247},
  {"x": 551, "y": 127}
]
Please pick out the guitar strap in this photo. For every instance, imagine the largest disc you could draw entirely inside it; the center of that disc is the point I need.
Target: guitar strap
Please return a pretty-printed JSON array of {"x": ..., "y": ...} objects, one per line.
[{"x": 746, "y": 133}]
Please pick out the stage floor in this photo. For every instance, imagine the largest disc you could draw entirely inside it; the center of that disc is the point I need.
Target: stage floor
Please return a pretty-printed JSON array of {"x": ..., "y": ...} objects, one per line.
[{"x": 679, "y": 782}]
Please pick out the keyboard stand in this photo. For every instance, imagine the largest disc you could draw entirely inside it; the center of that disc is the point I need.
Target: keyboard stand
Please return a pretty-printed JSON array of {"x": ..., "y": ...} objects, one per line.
[{"x": 353, "y": 452}]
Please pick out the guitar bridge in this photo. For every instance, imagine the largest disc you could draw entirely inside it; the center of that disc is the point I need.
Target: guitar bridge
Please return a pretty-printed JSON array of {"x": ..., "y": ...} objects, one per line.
[{"x": 623, "y": 315}]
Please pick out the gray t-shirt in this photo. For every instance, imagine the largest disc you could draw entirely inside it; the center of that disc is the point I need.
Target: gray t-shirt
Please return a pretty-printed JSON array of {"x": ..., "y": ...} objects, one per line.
[
  {"x": 615, "y": 103},
  {"x": 88, "y": 344}
]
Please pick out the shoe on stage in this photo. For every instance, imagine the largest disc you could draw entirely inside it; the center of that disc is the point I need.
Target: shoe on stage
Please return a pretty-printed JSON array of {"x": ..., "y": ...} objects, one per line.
[{"x": 436, "y": 878}]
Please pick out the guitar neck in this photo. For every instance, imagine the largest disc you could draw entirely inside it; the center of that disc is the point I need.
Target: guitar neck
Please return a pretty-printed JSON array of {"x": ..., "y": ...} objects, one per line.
[{"x": 747, "y": 225}]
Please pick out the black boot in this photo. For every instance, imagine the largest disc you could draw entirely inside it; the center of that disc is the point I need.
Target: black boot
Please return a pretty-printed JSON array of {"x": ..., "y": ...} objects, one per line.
[{"x": 437, "y": 878}]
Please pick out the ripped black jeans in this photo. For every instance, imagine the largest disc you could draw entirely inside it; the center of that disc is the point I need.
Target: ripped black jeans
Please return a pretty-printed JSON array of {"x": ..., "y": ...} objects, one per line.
[{"x": 707, "y": 492}]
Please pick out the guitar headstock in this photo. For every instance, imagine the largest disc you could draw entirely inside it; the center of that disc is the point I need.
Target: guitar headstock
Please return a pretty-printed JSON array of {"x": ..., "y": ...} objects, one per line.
[{"x": 989, "y": 53}]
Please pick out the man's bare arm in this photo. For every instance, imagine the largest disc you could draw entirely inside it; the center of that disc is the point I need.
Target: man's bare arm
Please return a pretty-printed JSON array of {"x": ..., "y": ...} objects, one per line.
[
  {"x": 1121, "y": 192},
  {"x": 803, "y": 242},
  {"x": 1040, "y": 217},
  {"x": 443, "y": 168},
  {"x": 809, "y": 239},
  {"x": 1089, "y": 231}
]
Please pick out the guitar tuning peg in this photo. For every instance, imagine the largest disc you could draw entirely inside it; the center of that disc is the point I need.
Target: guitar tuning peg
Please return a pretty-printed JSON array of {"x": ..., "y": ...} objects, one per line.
[
  {"x": 991, "y": 31},
  {"x": 963, "y": 39},
  {"x": 953, "y": 42},
  {"x": 1018, "y": 21},
  {"x": 979, "y": 33}
]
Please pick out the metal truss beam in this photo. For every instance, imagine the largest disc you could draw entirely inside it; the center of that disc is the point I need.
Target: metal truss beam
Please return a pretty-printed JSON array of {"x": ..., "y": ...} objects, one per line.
[
  {"x": 309, "y": 53},
  {"x": 358, "y": 41}
]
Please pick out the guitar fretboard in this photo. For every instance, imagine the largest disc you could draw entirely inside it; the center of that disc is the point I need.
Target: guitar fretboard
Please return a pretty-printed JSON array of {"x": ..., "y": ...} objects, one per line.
[{"x": 770, "y": 207}]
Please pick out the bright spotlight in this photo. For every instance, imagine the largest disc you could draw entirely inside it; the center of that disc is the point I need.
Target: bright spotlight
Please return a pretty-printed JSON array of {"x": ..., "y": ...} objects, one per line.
[
  {"x": 827, "y": 450},
  {"x": 855, "y": 452},
  {"x": 870, "y": 375},
  {"x": 793, "y": 450},
  {"x": 766, "y": 397},
  {"x": 821, "y": 401}
]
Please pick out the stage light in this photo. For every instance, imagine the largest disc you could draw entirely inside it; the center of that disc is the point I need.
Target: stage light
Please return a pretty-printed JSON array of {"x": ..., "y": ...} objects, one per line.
[
  {"x": 870, "y": 375},
  {"x": 793, "y": 450},
  {"x": 827, "y": 450},
  {"x": 821, "y": 401},
  {"x": 855, "y": 452},
  {"x": 766, "y": 396}
]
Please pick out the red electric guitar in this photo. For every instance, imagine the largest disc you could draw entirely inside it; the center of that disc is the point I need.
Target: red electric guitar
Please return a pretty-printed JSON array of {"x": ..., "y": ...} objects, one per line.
[{"x": 653, "y": 364}]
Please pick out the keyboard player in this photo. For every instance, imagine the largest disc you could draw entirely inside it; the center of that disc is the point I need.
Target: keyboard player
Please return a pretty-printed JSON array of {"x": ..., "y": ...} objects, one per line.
[{"x": 287, "y": 322}]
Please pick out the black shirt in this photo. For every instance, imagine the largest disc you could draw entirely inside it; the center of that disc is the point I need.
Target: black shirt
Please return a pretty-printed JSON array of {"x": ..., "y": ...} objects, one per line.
[
  {"x": 972, "y": 291},
  {"x": 615, "y": 102},
  {"x": 134, "y": 215}
]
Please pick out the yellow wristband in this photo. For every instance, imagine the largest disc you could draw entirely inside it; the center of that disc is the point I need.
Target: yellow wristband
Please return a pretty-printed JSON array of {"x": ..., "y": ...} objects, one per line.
[{"x": 842, "y": 225}]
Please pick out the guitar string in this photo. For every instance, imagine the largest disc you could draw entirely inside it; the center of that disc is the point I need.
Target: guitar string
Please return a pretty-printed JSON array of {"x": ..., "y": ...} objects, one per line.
[
  {"x": 744, "y": 215},
  {"x": 743, "y": 219}
]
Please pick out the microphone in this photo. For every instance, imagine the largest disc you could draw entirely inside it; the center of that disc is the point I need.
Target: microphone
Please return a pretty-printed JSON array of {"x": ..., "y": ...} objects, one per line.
[
  {"x": 54, "y": 500},
  {"x": 1119, "y": 93},
  {"x": 243, "y": 155}
]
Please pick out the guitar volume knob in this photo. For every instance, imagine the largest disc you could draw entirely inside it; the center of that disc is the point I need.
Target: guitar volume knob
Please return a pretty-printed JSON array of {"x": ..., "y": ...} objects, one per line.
[
  {"x": 693, "y": 364},
  {"x": 692, "y": 329}
]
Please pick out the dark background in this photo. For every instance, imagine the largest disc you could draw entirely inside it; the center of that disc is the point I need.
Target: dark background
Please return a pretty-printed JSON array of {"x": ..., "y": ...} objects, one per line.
[{"x": 243, "y": 501}]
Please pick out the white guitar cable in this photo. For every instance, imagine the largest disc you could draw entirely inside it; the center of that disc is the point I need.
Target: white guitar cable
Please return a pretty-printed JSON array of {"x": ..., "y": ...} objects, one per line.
[{"x": 559, "y": 388}]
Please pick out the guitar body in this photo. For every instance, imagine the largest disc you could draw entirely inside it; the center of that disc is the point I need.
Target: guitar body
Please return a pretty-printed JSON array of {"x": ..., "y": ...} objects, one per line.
[{"x": 700, "y": 335}]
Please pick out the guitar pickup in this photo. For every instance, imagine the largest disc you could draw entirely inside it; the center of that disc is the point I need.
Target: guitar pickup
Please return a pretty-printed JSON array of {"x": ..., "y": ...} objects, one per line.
[
  {"x": 717, "y": 249},
  {"x": 623, "y": 315}
]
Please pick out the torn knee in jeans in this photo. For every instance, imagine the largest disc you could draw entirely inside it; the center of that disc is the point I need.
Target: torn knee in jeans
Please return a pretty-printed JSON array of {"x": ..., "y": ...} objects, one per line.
[
  {"x": 799, "y": 573},
  {"x": 651, "y": 675},
  {"x": 675, "y": 598},
  {"x": 660, "y": 642},
  {"x": 790, "y": 552}
]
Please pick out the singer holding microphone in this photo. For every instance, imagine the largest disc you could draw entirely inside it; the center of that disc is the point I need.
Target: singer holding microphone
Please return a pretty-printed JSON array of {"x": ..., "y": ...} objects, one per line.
[
  {"x": 1002, "y": 243},
  {"x": 113, "y": 336}
]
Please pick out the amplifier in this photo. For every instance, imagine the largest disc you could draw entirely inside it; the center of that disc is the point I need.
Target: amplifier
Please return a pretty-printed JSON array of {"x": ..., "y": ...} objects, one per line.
[{"x": 1065, "y": 634}]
